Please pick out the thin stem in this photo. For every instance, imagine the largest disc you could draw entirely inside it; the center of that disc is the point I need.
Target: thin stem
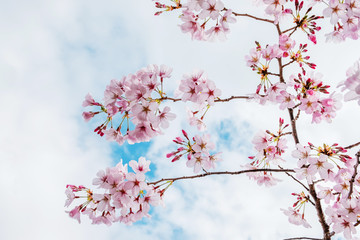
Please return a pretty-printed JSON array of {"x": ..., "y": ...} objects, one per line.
[{"x": 221, "y": 173}]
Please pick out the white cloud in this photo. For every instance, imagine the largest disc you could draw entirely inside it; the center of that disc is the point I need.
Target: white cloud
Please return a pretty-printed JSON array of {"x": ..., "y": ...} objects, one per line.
[{"x": 53, "y": 53}]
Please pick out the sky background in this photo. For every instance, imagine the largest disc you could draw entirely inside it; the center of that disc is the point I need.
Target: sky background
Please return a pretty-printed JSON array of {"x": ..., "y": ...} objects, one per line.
[{"x": 55, "y": 52}]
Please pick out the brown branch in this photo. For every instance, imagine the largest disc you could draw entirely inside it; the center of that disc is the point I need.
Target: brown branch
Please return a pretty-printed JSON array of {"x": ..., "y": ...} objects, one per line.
[
  {"x": 320, "y": 213},
  {"x": 352, "y": 145},
  {"x": 292, "y": 32},
  {"x": 250, "y": 16},
  {"x": 354, "y": 175},
  {"x": 300, "y": 238},
  {"x": 216, "y": 100},
  {"x": 221, "y": 173},
  {"x": 293, "y": 125},
  {"x": 169, "y": 98},
  {"x": 297, "y": 115},
  {"x": 293, "y": 28},
  {"x": 295, "y": 179},
  {"x": 288, "y": 63},
  {"x": 275, "y": 74},
  {"x": 231, "y": 98},
  {"x": 278, "y": 29}
]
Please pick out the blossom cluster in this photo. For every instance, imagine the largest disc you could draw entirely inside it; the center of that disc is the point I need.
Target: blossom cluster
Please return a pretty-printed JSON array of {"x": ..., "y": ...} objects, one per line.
[
  {"x": 340, "y": 188},
  {"x": 352, "y": 83},
  {"x": 345, "y": 16},
  {"x": 133, "y": 100},
  {"x": 281, "y": 9},
  {"x": 126, "y": 195},
  {"x": 269, "y": 147},
  {"x": 276, "y": 9},
  {"x": 266, "y": 54},
  {"x": 308, "y": 87},
  {"x": 198, "y": 15},
  {"x": 260, "y": 59},
  {"x": 197, "y": 151},
  {"x": 309, "y": 93},
  {"x": 296, "y": 213},
  {"x": 201, "y": 91}
]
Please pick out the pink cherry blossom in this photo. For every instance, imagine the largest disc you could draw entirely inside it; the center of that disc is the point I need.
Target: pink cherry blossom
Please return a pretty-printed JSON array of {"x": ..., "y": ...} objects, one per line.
[
  {"x": 75, "y": 213},
  {"x": 89, "y": 101},
  {"x": 140, "y": 166},
  {"x": 211, "y": 8},
  {"x": 320, "y": 165},
  {"x": 352, "y": 83},
  {"x": 334, "y": 11},
  {"x": 70, "y": 196},
  {"x": 295, "y": 217}
]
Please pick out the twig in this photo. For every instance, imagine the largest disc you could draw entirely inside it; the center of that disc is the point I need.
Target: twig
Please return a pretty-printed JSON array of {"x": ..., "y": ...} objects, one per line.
[
  {"x": 293, "y": 125},
  {"x": 296, "y": 180},
  {"x": 293, "y": 28},
  {"x": 297, "y": 115},
  {"x": 352, "y": 145},
  {"x": 231, "y": 98},
  {"x": 221, "y": 173},
  {"x": 320, "y": 213},
  {"x": 354, "y": 175},
  {"x": 292, "y": 32},
  {"x": 288, "y": 63},
  {"x": 250, "y": 16},
  {"x": 275, "y": 74},
  {"x": 300, "y": 238},
  {"x": 216, "y": 100}
]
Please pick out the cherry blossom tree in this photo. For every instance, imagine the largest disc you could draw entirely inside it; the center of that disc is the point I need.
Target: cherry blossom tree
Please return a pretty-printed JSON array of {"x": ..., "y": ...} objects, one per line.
[{"x": 137, "y": 108}]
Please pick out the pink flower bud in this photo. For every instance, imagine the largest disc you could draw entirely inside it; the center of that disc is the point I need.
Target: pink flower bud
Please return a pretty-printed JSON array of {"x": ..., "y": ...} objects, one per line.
[
  {"x": 177, "y": 157},
  {"x": 185, "y": 134}
]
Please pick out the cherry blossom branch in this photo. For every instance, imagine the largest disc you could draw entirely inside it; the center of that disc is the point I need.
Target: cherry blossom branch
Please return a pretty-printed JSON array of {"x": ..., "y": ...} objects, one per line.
[
  {"x": 221, "y": 173},
  {"x": 293, "y": 31},
  {"x": 216, "y": 100},
  {"x": 312, "y": 191},
  {"x": 287, "y": 30},
  {"x": 250, "y": 16},
  {"x": 320, "y": 213},
  {"x": 297, "y": 181},
  {"x": 231, "y": 98},
  {"x": 293, "y": 125},
  {"x": 275, "y": 74},
  {"x": 288, "y": 63},
  {"x": 354, "y": 175},
  {"x": 352, "y": 145},
  {"x": 300, "y": 238}
]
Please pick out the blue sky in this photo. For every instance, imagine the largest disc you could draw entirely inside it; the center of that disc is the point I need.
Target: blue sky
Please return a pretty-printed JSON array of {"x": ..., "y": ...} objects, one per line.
[{"x": 54, "y": 53}]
